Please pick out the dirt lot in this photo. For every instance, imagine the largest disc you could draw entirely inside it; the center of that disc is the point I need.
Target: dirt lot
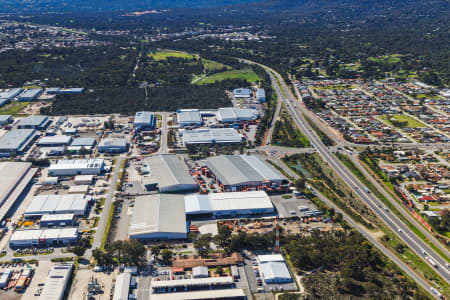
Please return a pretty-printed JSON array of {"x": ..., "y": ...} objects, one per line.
[{"x": 81, "y": 280}]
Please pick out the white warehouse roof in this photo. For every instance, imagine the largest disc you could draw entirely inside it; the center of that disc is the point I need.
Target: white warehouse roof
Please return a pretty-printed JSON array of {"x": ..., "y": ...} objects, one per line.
[
  {"x": 170, "y": 173},
  {"x": 221, "y": 203},
  {"x": 74, "y": 166},
  {"x": 231, "y": 114},
  {"x": 55, "y": 285},
  {"x": 158, "y": 216},
  {"x": 274, "y": 272},
  {"x": 270, "y": 258},
  {"x": 189, "y": 116},
  {"x": 211, "y": 136},
  {"x": 122, "y": 287},
  {"x": 242, "y": 169},
  {"x": 55, "y": 140},
  {"x": 57, "y": 204}
]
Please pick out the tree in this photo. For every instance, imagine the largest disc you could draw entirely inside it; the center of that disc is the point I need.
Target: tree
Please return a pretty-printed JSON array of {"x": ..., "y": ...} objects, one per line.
[
  {"x": 156, "y": 251},
  {"x": 166, "y": 256},
  {"x": 219, "y": 270},
  {"x": 222, "y": 239},
  {"x": 299, "y": 185},
  {"x": 202, "y": 244}
]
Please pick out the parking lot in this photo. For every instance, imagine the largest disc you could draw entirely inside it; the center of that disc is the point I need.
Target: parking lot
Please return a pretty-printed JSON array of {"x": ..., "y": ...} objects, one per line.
[{"x": 289, "y": 207}]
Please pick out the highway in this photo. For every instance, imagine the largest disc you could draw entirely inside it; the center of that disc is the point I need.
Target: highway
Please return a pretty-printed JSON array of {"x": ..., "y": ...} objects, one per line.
[{"x": 401, "y": 230}]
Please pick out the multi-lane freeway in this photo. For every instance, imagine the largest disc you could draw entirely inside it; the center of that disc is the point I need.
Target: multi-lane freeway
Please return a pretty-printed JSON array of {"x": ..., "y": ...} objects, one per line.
[{"x": 436, "y": 261}]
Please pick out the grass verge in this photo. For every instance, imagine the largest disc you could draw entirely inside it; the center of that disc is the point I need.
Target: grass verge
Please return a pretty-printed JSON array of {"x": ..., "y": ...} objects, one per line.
[{"x": 108, "y": 226}]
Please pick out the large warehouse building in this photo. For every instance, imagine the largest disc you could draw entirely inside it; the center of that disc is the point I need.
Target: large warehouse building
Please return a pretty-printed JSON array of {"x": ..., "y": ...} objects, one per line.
[
  {"x": 242, "y": 93},
  {"x": 168, "y": 174},
  {"x": 43, "y": 237},
  {"x": 14, "y": 178},
  {"x": 160, "y": 216},
  {"x": 228, "y": 204},
  {"x": 56, "y": 140},
  {"x": 144, "y": 120},
  {"x": 239, "y": 172},
  {"x": 189, "y": 117},
  {"x": 30, "y": 94},
  {"x": 34, "y": 122},
  {"x": 56, "y": 282},
  {"x": 68, "y": 167},
  {"x": 211, "y": 136},
  {"x": 17, "y": 141},
  {"x": 76, "y": 204},
  {"x": 231, "y": 114}
]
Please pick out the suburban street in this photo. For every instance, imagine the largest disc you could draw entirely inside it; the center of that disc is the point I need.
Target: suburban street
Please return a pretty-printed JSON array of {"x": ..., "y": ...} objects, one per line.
[{"x": 397, "y": 227}]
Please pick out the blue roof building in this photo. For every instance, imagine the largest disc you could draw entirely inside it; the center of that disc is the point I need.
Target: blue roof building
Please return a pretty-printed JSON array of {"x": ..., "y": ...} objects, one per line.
[{"x": 144, "y": 120}]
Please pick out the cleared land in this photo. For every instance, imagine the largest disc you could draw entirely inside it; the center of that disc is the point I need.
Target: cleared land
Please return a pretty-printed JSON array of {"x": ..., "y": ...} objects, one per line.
[
  {"x": 247, "y": 74},
  {"x": 397, "y": 120},
  {"x": 211, "y": 65},
  {"x": 390, "y": 59},
  {"x": 163, "y": 55},
  {"x": 13, "y": 108}
]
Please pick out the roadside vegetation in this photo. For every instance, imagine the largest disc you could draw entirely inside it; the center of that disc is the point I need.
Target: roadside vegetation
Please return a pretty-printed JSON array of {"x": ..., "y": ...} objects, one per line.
[
  {"x": 324, "y": 179},
  {"x": 14, "y": 108},
  {"x": 287, "y": 134},
  {"x": 344, "y": 265},
  {"x": 326, "y": 140}
]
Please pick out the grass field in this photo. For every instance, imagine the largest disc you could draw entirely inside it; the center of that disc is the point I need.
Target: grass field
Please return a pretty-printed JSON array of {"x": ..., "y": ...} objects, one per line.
[
  {"x": 211, "y": 65},
  {"x": 247, "y": 74},
  {"x": 13, "y": 108},
  {"x": 390, "y": 59},
  {"x": 163, "y": 55},
  {"x": 410, "y": 122}
]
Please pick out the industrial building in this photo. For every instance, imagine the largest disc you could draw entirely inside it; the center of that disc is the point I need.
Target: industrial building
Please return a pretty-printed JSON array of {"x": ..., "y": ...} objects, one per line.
[
  {"x": 274, "y": 269},
  {"x": 160, "y": 216},
  {"x": 59, "y": 220},
  {"x": 84, "y": 179},
  {"x": 231, "y": 114},
  {"x": 260, "y": 95},
  {"x": 6, "y": 275},
  {"x": 17, "y": 141},
  {"x": 30, "y": 94},
  {"x": 68, "y": 167},
  {"x": 240, "y": 172},
  {"x": 76, "y": 204},
  {"x": 34, "y": 122},
  {"x": 43, "y": 237},
  {"x": 211, "y": 136},
  {"x": 83, "y": 142},
  {"x": 5, "y": 120},
  {"x": 168, "y": 173},
  {"x": 11, "y": 94},
  {"x": 189, "y": 117},
  {"x": 192, "y": 284},
  {"x": 122, "y": 286},
  {"x": 14, "y": 178},
  {"x": 242, "y": 93},
  {"x": 228, "y": 204},
  {"x": 113, "y": 145},
  {"x": 200, "y": 272},
  {"x": 53, "y": 90},
  {"x": 79, "y": 189},
  {"x": 144, "y": 120},
  {"x": 54, "y": 141},
  {"x": 71, "y": 91},
  {"x": 56, "y": 282},
  {"x": 226, "y": 294}
]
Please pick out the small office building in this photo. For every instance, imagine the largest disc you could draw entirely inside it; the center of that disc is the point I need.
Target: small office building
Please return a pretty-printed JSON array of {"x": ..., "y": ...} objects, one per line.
[
  {"x": 113, "y": 145},
  {"x": 242, "y": 93},
  {"x": 144, "y": 120},
  {"x": 57, "y": 220}
]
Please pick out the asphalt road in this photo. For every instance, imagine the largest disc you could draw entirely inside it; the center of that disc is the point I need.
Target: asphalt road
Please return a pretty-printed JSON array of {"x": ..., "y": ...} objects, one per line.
[
  {"x": 108, "y": 201},
  {"x": 400, "y": 229}
]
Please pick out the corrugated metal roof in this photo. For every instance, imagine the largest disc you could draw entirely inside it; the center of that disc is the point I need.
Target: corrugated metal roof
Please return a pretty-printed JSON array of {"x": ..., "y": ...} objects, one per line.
[
  {"x": 198, "y": 204},
  {"x": 275, "y": 270},
  {"x": 189, "y": 116},
  {"x": 35, "y": 121},
  {"x": 83, "y": 142},
  {"x": 144, "y": 118},
  {"x": 211, "y": 135},
  {"x": 168, "y": 170},
  {"x": 11, "y": 173},
  {"x": 53, "y": 204},
  {"x": 56, "y": 282},
  {"x": 158, "y": 213},
  {"x": 16, "y": 139},
  {"x": 56, "y": 139},
  {"x": 122, "y": 287},
  {"x": 235, "y": 170}
]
